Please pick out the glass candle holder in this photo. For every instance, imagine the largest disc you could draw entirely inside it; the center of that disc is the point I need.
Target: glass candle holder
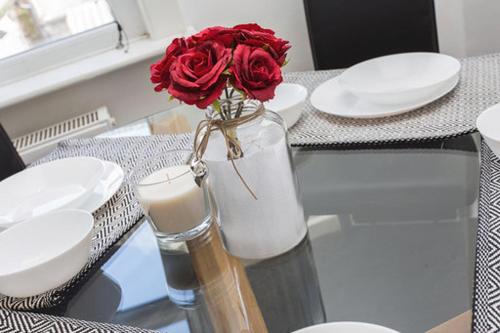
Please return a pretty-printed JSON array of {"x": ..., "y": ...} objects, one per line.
[
  {"x": 175, "y": 201},
  {"x": 178, "y": 203},
  {"x": 183, "y": 287}
]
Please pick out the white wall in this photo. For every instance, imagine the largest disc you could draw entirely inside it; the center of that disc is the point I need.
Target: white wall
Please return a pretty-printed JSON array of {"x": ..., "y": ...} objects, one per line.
[
  {"x": 482, "y": 26},
  {"x": 286, "y": 17},
  {"x": 126, "y": 92},
  {"x": 468, "y": 27},
  {"x": 450, "y": 22}
]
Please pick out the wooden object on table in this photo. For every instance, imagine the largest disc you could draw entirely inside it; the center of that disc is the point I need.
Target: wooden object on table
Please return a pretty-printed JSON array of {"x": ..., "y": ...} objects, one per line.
[
  {"x": 173, "y": 124},
  {"x": 230, "y": 299},
  {"x": 459, "y": 324}
]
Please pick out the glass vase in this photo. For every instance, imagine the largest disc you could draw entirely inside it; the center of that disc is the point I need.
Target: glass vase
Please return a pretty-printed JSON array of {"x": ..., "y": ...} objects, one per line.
[{"x": 273, "y": 222}]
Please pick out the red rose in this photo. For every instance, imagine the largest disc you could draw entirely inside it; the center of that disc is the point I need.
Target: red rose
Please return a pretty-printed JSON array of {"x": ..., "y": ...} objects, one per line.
[
  {"x": 254, "y": 35},
  {"x": 160, "y": 71},
  {"x": 253, "y": 27},
  {"x": 255, "y": 72},
  {"x": 197, "y": 75},
  {"x": 225, "y": 36}
]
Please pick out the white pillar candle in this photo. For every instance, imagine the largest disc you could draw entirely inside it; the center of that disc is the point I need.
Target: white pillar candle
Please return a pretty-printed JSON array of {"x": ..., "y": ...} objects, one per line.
[{"x": 172, "y": 199}]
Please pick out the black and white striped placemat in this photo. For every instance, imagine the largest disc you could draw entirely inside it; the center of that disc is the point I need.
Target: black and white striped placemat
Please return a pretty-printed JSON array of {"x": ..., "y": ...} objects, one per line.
[
  {"x": 118, "y": 215},
  {"x": 22, "y": 322},
  {"x": 453, "y": 115},
  {"x": 486, "y": 304}
]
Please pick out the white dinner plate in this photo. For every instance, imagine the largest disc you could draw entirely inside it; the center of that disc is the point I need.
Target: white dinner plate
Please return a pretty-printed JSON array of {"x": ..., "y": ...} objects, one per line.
[
  {"x": 64, "y": 183},
  {"x": 331, "y": 98},
  {"x": 346, "y": 327},
  {"x": 399, "y": 78},
  {"x": 110, "y": 182}
]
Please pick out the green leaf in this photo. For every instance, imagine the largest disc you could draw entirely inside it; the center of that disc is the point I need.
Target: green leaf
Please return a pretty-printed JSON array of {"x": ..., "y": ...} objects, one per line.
[
  {"x": 241, "y": 92},
  {"x": 171, "y": 98},
  {"x": 285, "y": 63},
  {"x": 216, "y": 105}
]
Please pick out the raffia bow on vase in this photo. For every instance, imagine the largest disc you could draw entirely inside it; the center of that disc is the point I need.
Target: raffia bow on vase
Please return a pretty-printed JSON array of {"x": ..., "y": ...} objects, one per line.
[{"x": 233, "y": 112}]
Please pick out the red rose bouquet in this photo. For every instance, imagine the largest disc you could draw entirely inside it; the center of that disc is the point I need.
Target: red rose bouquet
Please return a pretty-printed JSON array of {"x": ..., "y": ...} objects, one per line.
[
  {"x": 198, "y": 70},
  {"x": 230, "y": 71}
]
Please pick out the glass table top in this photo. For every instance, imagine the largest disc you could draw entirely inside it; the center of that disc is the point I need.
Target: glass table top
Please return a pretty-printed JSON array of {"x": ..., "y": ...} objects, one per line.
[{"x": 391, "y": 242}]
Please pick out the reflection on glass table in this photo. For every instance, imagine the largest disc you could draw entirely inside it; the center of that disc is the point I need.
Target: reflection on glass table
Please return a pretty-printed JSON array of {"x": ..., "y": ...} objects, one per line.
[
  {"x": 178, "y": 120},
  {"x": 167, "y": 297},
  {"x": 391, "y": 242}
]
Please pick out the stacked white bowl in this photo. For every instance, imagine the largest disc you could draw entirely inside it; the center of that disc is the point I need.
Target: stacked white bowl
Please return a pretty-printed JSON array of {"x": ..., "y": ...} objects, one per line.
[
  {"x": 400, "y": 78},
  {"x": 388, "y": 85},
  {"x": 46, "y": 221}
]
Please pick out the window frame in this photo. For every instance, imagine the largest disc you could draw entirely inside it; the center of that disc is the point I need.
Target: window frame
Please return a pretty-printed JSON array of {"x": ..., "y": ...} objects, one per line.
[
  {"x": 57, "y": 53},
  {"x": 76, "y": 47}
]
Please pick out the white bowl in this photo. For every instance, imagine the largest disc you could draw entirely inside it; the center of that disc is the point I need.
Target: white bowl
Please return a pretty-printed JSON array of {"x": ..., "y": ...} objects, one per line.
[
  {"x": 64, "y": 183},
  {"x": 400, "y": 78},
  {"x": 488, "y": 124},
  {"x": 330, "y": 97},
  {"x": 44, "y": 252},
  {"x": 288, "y": 102},
  {"x": 346, "y": 327}
]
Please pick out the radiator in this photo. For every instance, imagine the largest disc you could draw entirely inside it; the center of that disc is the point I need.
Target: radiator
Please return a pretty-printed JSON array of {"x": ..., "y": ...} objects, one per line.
[{"x": 34, "y": 145}]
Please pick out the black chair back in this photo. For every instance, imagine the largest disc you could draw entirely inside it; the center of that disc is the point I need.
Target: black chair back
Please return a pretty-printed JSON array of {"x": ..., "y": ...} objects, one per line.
[
  {"x": 345, "y": 32},
  {"x": 10, "y": 161}
]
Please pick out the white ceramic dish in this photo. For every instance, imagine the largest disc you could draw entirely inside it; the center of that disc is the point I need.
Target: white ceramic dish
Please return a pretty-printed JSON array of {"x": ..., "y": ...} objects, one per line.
[
  {"x": 399, "y": 78},
  {"x": 488, "y": 124},
  {"x": 44, "y": 252},
  {"x": 331, "y": 98},
  {"x": 110, "y": 182},
  {"x": 288, "y": 102},
  {"x": 346, "y": 327},
  {"x": 64, "y": 183}
]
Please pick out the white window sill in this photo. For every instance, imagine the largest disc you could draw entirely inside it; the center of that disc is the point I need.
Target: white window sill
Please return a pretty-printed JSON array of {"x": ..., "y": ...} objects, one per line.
[{"x": 84, "y": 69}]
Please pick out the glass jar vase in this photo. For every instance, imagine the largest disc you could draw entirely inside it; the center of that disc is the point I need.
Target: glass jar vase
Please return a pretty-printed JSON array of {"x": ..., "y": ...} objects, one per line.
[{"x": 272, "y": 222}]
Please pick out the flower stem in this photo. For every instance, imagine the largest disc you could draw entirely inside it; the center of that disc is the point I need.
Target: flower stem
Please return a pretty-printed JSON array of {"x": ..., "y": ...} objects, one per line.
[
  {"x": 234, "y": 148},
  {"x": 234, "y": 145},
  {"x": 239, "y": 110}
]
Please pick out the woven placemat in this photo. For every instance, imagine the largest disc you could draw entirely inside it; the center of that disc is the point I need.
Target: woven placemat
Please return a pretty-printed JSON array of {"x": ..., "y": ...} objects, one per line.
[
  {"x": 486, "y": 300},
  {"x": 452, "y": 115},
  {"x": 118, "y": 215},
  {"x": 21, "y": 322}
]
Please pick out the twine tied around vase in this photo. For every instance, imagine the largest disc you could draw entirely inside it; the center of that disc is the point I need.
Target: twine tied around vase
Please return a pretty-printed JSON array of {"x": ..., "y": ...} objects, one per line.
[{"x": 226, "y": 127}]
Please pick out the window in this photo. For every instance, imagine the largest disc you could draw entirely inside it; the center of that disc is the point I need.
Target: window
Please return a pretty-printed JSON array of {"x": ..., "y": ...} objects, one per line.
[
  {"x": 38, "y": 36},
  {"x": 25, "y": 24}
]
